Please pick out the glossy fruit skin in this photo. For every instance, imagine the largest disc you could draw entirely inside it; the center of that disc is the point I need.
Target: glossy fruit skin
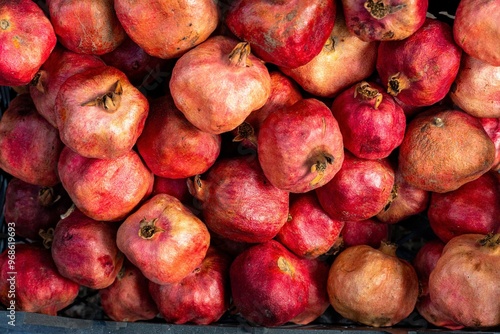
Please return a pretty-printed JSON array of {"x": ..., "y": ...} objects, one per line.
[
  {"x": 420, "y": 69},
  {"x": 23, "y": 52},
  {"x": 269, "y": 285},
  {"x": 278, "y": 30},
  {"x": 384, "y": 20},
  {"x": 84, "y": 250},
  {"x": 293, "y": 140},
  {"x": 164, "y": 239},
  {"x": 201, "y": 298},
  {"x": 238, "y": 202},
  {"x": 38, "y": 285},
  {"x": 29, "y": 145}
]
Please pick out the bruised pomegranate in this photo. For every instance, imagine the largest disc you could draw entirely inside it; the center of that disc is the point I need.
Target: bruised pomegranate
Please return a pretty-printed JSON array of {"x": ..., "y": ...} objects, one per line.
[
  {"x": 371, "y": 122},
  {"x": 476, "y": 87},
  {"x": 360, "y": 190},
  {"x": 84, "y": 250},
  {"x": 278, "y": 30},
  {"x": 476, "y": 27},
  {"x": 238, "y": 202},
  {"x": 344, "y": 60},
  {"x": 33, "y": 207},
  {"x": 29, "y": 145},
  {"x": 384, "y": 20},
  {"x": 361, "y": 292},
  {"x": 371, "y": 232},
  {"x": 128, "y": 298},
  {"x": 300, "y": 147},
  {"x": 472, "y": 208},
  {"x": 164, "y": 239},
  {"x": 239, "y": 84},
  {"x": 492, "y": 128},
  {"x": 59, "y": 66},
  {"x": 86, "y": 26},
  {"x": 26, "y": 40},
  {"x": 419, "y": 70},
  {"x": 99, "y": 113},
  {"x": 269, "y": 284},
  {"x": 202, "y": 297},
  {"x": 30, "y": 281},
  {"x": 188, "y": 24},
  {"x": 171, "y": 146},
  {"x": 464, "y": 284},
  {"x": 309, "y": 232},
  {"x": 443, "y": 149},
  {"x": 106, "y": 190}
]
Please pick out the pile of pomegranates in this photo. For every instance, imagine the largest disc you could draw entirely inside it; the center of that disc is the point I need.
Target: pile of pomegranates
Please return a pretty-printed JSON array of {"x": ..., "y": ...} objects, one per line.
[{"x": 263, "y": 162}]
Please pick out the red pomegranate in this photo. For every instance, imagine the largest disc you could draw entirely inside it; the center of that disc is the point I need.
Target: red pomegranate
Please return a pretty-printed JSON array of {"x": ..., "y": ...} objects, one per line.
[
  {"x": 419, "y": 70},
  {"x": 174, "y": 187},
  {"x": 239, "y": 84},
  {"x": 278, "y": 30},
  {"x": 371, "y": 232},
  {"x": 26, "y": 40},
  {"x": 300, "y": 147}
]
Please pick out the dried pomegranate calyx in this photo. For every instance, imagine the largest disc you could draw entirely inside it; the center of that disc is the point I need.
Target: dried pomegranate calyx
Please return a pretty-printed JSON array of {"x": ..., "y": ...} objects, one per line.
[
  {"x": 388, "y": 248},
  {"x": 379, "y": 10},
  {"x": 320, "y": 166},
  {"x": 397, "y": 83},
  {"x": 46, "y": 196},
  {"x": 367, "y": 92},
  {"x": 47, "y": 237},
  {"x": 147, "y": 228},
  {"x": 245, "y": 131},
  {"x": 37, "y": 81},
  {"x": 490, "y": 240},
  {"x": 239, "y": 55},
  {"x": 110, "y": 101},
  {"x": 437, "y": 121},
  {"x": 4, "y": 24}
]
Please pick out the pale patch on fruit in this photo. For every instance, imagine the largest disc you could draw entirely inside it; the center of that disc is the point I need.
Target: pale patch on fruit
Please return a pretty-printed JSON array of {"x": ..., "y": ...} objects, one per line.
[{"x": 286, "y": 266}]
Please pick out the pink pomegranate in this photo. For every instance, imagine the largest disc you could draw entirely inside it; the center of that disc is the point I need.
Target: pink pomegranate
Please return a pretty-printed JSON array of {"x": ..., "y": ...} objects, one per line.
[
  {"x": 238, "y": 202},
  {"x": 239, "y": 84},
  {"x": 492, "y": 128},
  {"x": 164, "y": 239},
  {"x": 29, "y": 145},
  {"x": 31, "y": 282},
  {"x": 309, "y": 232},
  {"x": 105, "y": 189},
  {"x": 419, "y": 70},
  {"x": 384, "y": 20},
  {"x": 300, "y": 147},
  {"x": 201, "y": 298},
  {"x": 278, "y": 30},
  {"x": 371, "y": 122},
  {"x": 171, "y": 146},
  {"x": 84, "y": 250},
  {"x": 26, "y": 40},
  {"x": 269, "y": 284},
  {"x": 86, "y": 26},
  {"x": 359, "y": 191},
  {"x": 128, "y": 298},
  {"x": 99, "y": 113},
  {"x": 371, "y": 232}
]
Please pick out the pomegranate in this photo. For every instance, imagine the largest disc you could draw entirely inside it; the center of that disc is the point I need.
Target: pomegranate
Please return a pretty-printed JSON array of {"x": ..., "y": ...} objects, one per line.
[
  {"x": 269, "y": 284},
  {"x": 238, "y": 202},
  {"x": 492, "y": 128},
  {"x": 164, "y": 239},
  {"x": 419, "y": 70},
  {"x": 360, "y": 190},
  {"x": 464, "y": 283},
  {"x": 472, "y": 208},
  {"x": 60, "y": 65},
  {"x": 29, "y": 145},
  {"x": 87, "y": 26},
  {"x": 300, "y": 147},
  {"x": 84, "y": 250},
  {"x": 384, "y": 20},
  {"x": 476, "y": 87},
  {"x": 105, "y": 190},
  {"x": 30, "y": 281},
  {"x": 309, "y": 232},
  {"x": 444, "y": 149},
  {"x": 26, "y": 40},
  {"x": 202, "y": 297},
  {"x": 239, "y": 84},
  {"x": 171, "y": 146},
  {"x": 99, "y": 113},
  {"x": 344, "y": 60},
  {"x": 278, "y": 30},
  {"x": 369, "y": 232},
  {"x": 371, "y": 122},
  {"x": 476, "y": 26},
  {"x": 361, "y": 292},
  {"x": 174, "y": 187},
  {"x": 128, "y": 298},
  {"x": 33, "y": 207}
]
